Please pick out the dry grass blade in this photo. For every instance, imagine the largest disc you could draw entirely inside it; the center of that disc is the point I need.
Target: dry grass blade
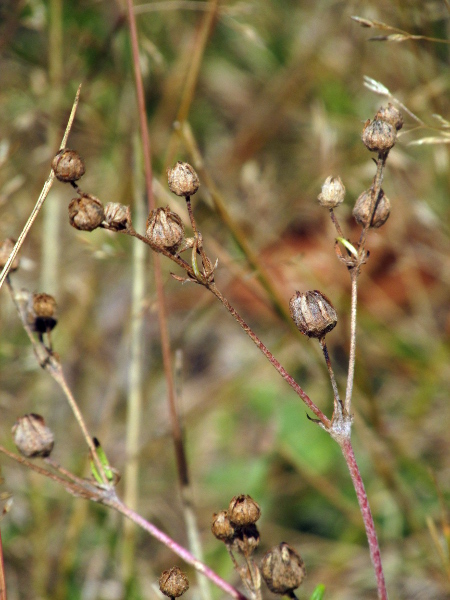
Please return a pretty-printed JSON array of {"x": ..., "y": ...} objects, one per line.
[{"x": 43, "y": 195}]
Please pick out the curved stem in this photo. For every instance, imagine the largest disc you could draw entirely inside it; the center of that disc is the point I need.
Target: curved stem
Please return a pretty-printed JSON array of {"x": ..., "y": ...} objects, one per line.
[{"x": 366, "y": 513}]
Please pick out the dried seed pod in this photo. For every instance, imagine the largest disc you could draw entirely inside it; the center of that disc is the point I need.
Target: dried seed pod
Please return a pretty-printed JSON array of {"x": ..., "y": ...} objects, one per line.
[
  {"x": 282, "y": 569},
  {"x": 313, "y": 313},
  {"x": 182, "y": 179},
  {"x": 5, "y": 251},
  {"x": 117, "y": 216},
  {"x": 221, "y": 527},
  {"x": 68, "y": 165},
  {"x": 391, "y": 115},
  {"x": 41, "y": 312},
  {"x": 86, "y": 213},
  {"x": 243, "y": 511},
  {"x": 165, "y": 229},
  {"x": 246, "y": 539},
  {"x": 32, "y": 437},
  {"x": 379, "y": 135},
  {"x": 333, "y": 192},
  {"x": 362, "y": 213},
  {"x": 173, "y": 583}
]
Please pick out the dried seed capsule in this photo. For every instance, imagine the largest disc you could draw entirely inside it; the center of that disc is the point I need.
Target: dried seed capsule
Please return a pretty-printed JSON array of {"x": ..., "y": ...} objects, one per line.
[
  {"x": 243, "y": 511},
  {"x": 361, "y": 210},
  {"x": 173, "y": 583},
  {"x": 282, "y": 569},
  {"x": 221, "y": 527},
  {"x": 333, "y": 192},
  {"x": 391, "y": 115},
  {"x": 32, "y": 437},
  {"x": 182, "y": 179},
  {"x": 41, "y": 312},
  {"x": 246, "y": 539},
  {"x": 313, "y": 313},
  {"x": 165, "y": 229},
  {"x": 378, "y": 135},
  {"x": 117, "y": 216},
  {"x": 86, "y": 212},
  {"x": 68, "y": 165},
  {"x": 5, "y": 251}
]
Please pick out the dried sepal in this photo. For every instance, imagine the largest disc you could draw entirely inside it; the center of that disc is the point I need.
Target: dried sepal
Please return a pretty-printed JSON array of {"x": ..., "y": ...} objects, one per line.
[
  {"x": 86, "y": 212},
  {"x": 379, "y": 136},
  {"x": 32, "y": 437},
  {"x": 173, "y": 582},
  {"x": 41, "y": 312},
  {"x": 221, "y": 527},
  {"x": 362, "y": 210},
  {"x": 391, "y": 115},
  {"x": 182, "y": 179},
  {"x": 165, "y": 229},
  {"x": 313, "y": 313},
  {"x": 282, "y": 569},
  {"x": 68, "y": 165},
  {"x": 333, "y": 192},
  {"x": 117, "y": 216},
  {"x": 246, "y": 539},
  {"x": 243, "y": 511}
]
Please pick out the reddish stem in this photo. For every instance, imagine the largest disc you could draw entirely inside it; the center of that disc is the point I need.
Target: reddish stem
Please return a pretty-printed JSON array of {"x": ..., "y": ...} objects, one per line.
[
  {"x": 325, "y": 421},
  {"x": 366, "y": 513}
]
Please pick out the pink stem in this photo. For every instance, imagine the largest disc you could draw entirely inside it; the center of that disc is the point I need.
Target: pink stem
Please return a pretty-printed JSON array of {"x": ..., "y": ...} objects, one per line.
[
  {"x": 363, "y": 501},
  {"x": 176, "y": 548}
]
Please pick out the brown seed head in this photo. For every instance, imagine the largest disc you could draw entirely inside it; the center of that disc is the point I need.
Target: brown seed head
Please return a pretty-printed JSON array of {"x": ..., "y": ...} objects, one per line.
[
  {"x": 313, "y": 313},
  {"x": 86, "y": 213},
  {"x": 362, "y": 213},
  {"x": 282, "y": 569},
  {"x": 41, "y": 312},
  {"x": 379, "y": 135},
  {"x": 221, "y": 527},
  {"x": 243, "y": 511},
  {"x": 333, "y": 192},
  {"x": 117, "y": 216},
  {"x": 32, "y": 437},
  {"x": 246, "y": 539},
  {"x": 165, "y": 229},
  {"x": 5, "y": 251},
  {"x": 182, "y": 179},
  {"x": 391, "y": 115},
  {"x": 173, "y": 583},
  {"x": 68, "y": 165}
]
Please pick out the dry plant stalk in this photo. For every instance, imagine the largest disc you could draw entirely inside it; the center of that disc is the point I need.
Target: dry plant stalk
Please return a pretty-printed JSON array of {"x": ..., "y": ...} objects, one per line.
[{"x": 311, "y": 311}]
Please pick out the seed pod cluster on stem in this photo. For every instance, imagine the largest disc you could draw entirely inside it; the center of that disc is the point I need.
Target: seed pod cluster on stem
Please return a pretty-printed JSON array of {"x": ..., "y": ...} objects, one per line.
[
  {"x": 236, "y": 527},
  {"x": 86, "y": 211}
]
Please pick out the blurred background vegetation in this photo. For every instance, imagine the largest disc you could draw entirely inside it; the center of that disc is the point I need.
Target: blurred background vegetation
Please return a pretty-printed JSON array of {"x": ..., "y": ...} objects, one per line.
[{"x": 278, "y": 105}]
